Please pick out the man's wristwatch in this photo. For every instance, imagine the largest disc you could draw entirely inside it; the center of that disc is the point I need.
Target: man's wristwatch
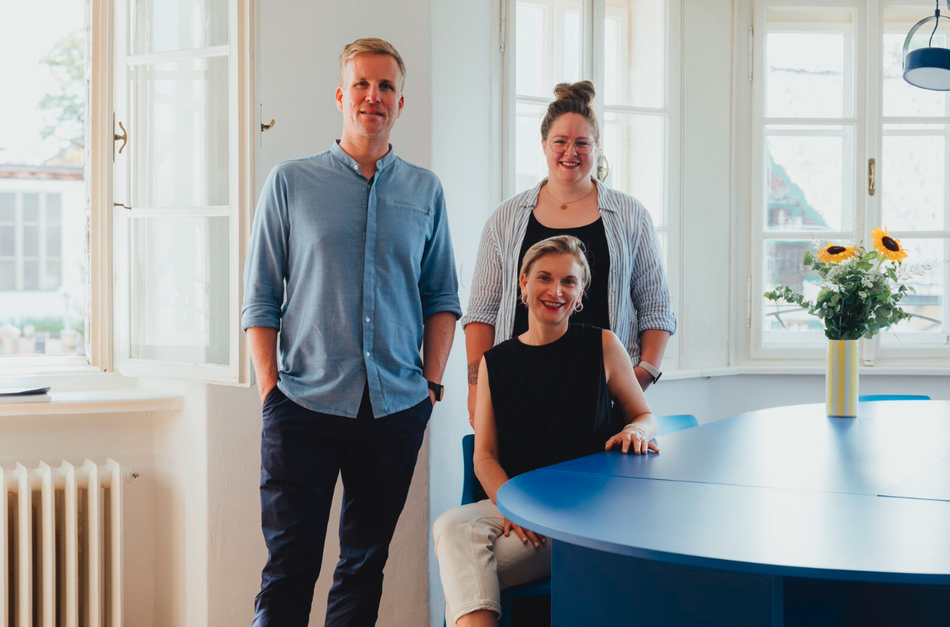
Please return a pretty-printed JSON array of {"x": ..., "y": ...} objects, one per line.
[
  {"x": 438, "y": 389},
  {"x": 651, "y": 370}
]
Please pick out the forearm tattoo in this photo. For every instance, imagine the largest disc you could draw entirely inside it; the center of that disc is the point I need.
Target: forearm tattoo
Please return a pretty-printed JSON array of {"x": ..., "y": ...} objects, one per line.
[{"x": 473, "y": 372}]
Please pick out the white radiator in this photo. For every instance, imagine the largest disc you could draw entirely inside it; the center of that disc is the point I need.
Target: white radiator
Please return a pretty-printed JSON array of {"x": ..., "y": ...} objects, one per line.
[{"x": 61, "y": 559}]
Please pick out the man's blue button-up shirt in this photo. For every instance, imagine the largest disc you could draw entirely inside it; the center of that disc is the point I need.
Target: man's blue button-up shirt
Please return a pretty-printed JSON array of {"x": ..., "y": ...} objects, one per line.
[{"x": 364, "y": 262}]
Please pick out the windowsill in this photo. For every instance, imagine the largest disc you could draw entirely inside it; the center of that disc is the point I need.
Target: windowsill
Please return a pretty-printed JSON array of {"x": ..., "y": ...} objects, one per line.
[
  {"x": 100, "y": 401},
  {"x": 84, "y": 390},
  {"x": 674, "y": 375}
]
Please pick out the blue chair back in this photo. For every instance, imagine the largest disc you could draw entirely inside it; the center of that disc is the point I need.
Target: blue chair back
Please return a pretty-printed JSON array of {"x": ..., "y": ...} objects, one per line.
[
  {"x": 676, "y": 422},
  {"x": 469, "y": 480},
  {"x": 870, "y": 398}
]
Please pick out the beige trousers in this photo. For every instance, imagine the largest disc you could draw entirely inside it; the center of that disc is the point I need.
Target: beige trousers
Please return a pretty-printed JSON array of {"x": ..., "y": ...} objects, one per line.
[{"x": 477, "y": 561}]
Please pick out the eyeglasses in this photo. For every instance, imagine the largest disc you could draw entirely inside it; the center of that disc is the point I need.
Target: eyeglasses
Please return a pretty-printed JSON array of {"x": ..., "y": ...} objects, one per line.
[{"x": 582, "y": 145}]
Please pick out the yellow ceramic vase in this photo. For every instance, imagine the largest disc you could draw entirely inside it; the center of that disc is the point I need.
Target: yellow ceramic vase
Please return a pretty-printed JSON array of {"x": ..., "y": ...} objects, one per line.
[{"x": 841, "y": 378}]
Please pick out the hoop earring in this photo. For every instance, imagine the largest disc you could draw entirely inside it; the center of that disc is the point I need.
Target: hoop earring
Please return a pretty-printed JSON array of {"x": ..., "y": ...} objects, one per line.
[
  {"x": 524, "y": 299},
  {"x": 579, "y": 307},
  {"x": 603, "y": 167}
]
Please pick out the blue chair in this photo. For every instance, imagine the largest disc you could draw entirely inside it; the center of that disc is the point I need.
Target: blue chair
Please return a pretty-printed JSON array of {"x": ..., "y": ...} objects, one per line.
[
  {"x": 470, "y": 486},
  {"x": 677, "y": 422},
  {"x": 870, "y": 398}
]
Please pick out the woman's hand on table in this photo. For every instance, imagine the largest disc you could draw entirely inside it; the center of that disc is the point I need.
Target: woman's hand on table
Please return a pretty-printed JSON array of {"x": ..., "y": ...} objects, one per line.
[
  {"x": 536, "y": 539},
  {"x": 631, "y": 439}
]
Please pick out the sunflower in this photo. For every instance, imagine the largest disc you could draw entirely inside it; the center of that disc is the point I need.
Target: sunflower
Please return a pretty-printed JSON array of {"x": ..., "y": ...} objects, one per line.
[
  {"x": 888, "y": 246},
  {"x": 832, "y": 253}
]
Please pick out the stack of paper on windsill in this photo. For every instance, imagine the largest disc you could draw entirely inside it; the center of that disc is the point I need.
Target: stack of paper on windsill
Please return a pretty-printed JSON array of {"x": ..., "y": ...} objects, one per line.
[{"x": 24, "y": 395}]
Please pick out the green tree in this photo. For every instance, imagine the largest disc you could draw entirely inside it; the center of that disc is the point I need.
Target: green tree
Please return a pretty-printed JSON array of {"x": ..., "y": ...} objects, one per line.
[{"x": 67, "y": 103}]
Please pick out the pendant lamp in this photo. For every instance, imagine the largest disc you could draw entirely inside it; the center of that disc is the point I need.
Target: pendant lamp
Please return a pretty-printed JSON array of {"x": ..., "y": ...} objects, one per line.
[{"x": 927, "y": 68}]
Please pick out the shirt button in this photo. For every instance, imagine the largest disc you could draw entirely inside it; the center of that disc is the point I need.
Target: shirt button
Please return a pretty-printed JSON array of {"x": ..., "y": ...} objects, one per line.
[
  {"x": 368, "y": 318},
  {"x": 356, "y": 167},
  {"x": 367, "y": 353}
]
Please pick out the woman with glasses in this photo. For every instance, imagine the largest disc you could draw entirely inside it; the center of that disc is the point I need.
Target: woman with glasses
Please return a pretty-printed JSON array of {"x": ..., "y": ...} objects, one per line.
[{"x": 628, "y": 293}]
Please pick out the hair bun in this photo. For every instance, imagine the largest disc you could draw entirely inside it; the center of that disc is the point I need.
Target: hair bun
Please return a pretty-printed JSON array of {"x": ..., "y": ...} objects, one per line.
[{"x": 581, "y": 90}]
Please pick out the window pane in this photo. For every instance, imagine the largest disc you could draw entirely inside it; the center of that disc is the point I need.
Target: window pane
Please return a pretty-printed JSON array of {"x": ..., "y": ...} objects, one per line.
[
  {"x": 913, "y": 169},
  {"x": 548, "y": 40},
  {"x": 7, "y": 276},
  {"x": 179, "y": 24},
  {"x": 31, "y": 275},
  {"x": 634, "y": 46},
  {"x": 783, "y": 266},
  {"x": 182, "y": 156},
  {"x": 7, "y": 207},
  {"x": 52, "y": 276},
  {"x": 31, "y": 207},
  {"x": 926, "y": 305},
  {"x": 806, "y": 75},
  {"x": 7, "y": 241},
  {"x": 53, "y": 241},
  {"x": 900, "y": 97},
  {"x": 530, "y": 166},
  {"x": 809, "y": 183},
  {"x": 632, "y": 144},
  {"x": 54, "y": 205},
  {"x": 180, "y": 284},
  {"x": 31, "y": 241}
]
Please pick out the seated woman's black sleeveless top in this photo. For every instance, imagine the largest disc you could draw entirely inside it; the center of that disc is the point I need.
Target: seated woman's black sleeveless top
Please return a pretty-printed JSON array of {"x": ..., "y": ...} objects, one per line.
[
  {"x": 596, "y": 310},
  {"x": 551, "y": 402}
]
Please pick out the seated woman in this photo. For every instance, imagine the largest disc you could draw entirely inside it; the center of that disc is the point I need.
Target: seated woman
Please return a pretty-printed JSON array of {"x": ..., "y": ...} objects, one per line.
[{"x": 543, "y": 397}]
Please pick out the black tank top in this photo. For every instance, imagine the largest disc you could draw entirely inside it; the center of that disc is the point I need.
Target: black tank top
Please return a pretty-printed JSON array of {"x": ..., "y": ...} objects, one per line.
[
  {"x": 596, "y": 312},
  {"x": 551, "y": 402}
]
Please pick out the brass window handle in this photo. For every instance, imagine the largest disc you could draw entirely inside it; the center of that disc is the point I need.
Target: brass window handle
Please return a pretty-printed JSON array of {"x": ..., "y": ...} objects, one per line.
[
  {"x": 124, "y": 137},
  {"x": 872, "y": 177},
  {"x": 267, "y": 127}
]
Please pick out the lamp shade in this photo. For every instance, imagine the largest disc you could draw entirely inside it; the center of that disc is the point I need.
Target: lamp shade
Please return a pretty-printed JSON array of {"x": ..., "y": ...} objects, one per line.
[{"x": 927, "y": 68}]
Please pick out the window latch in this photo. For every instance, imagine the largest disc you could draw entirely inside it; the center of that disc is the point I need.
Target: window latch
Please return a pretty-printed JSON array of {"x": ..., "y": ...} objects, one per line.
[
  {"x": 124, "y": 137},
  {"x": 118, "y": 204},
  {"x": 872, "y": 177}
]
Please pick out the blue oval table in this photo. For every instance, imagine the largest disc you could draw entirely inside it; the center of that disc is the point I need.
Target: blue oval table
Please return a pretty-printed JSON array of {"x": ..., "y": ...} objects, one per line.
[{"x": 782, "y": 517}]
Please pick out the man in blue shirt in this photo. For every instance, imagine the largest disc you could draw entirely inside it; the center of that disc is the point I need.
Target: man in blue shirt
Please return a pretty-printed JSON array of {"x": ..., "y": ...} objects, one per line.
[{"x": 351, "y": 260}]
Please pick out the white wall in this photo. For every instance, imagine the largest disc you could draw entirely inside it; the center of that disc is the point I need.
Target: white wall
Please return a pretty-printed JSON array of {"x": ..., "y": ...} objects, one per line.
[{"x": 464, "y": 158}]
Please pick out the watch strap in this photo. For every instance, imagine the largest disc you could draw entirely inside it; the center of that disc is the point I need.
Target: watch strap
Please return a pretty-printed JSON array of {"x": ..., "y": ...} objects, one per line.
[
  {"x": 438, "y": 389},
  {"x": 651, "y": 370}
]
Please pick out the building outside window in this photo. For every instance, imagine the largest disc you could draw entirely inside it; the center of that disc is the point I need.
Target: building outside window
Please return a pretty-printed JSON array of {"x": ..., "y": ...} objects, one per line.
[{"x": 43, "y": 203}]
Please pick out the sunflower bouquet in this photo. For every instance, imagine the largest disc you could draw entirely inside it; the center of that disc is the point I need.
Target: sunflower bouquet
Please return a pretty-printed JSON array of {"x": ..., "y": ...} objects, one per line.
[{"x": 861, "y": 289}]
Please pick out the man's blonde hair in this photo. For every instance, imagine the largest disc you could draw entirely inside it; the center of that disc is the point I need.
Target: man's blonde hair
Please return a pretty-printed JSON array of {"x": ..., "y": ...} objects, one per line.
[{"x": 371, "y": 45}]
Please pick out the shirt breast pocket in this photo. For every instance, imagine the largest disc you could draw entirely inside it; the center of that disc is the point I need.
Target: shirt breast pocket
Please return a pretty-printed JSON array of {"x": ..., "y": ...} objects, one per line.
[{"x": 403, "y": 229}]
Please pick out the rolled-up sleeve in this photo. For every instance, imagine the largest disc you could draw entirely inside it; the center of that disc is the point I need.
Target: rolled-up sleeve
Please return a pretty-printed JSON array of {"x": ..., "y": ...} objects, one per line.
[
  {"x": 438, "y": 282},
  {"x": 266, "y": 265},
  {"x": 485, "y": 297},
  {"x": 649, "y": 289}
]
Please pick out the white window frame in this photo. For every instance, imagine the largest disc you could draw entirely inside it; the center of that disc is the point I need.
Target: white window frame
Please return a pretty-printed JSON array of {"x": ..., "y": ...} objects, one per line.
[
  {"x": 108, "y": 300},
  {"x": 905, "y": 348},
  {"x": 867, "y": 122},
  {"x": 243, "y": 136},
  {"x": 593, "y": 14}
]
